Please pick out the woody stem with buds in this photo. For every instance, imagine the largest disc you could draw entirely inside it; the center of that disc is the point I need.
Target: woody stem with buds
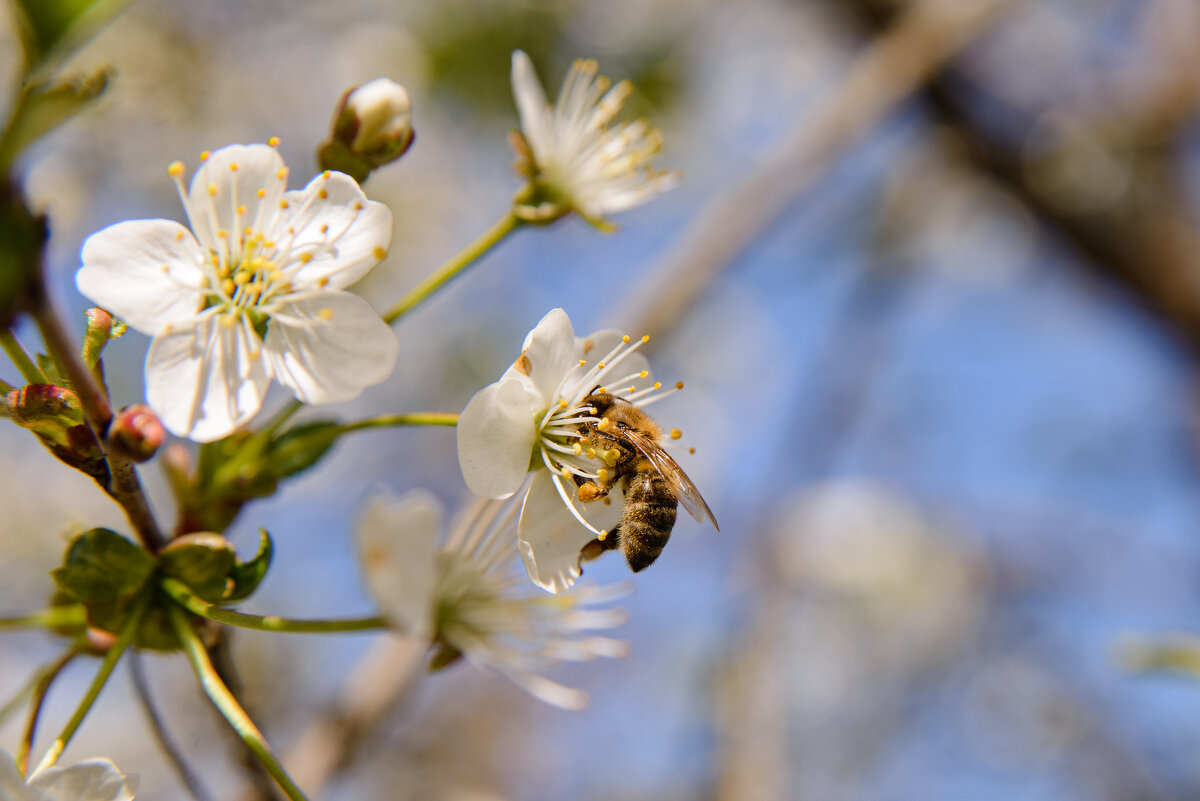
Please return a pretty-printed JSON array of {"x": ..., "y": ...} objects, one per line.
[{"x": 125, "y": 486}]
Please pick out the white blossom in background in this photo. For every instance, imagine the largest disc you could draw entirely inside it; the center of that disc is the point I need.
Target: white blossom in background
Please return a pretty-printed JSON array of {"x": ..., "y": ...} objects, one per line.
[
  {"x": 90, "y": 780},
  {"x": 253, "y": 292},
  {"x": 574, "y": 161},
  {"x": 465, "y": 596},
  {"x": 529, "y": 421}
]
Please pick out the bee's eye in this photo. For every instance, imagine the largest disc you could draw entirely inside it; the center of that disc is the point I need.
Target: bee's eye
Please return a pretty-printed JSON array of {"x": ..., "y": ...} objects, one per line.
[{"x": 621, "y": 426}]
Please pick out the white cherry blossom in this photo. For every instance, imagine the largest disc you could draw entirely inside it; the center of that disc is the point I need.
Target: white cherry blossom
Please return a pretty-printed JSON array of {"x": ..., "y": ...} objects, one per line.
[
  {"x": 574, "y": 160},
  {"x": 529, "y": 422},
  {"x": 253, "y": 291},
  {"x": 90, "y": 780},
  {"x": 464, "y": 595}
]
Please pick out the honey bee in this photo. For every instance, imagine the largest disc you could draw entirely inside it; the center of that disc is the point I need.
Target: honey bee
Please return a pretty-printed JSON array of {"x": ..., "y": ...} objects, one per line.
[{"x": 653, "y": 483}]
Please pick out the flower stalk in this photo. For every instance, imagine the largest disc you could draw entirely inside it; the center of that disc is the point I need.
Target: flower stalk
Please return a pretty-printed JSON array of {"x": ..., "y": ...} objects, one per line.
[
  {"x": 223, "y": 699},
  {"x": 106, "y": 668},
  {"x": 201, "y": 608},
  {"x": 455, "y": 266},
  {"x": 41, "y": 687},
  {"x": 25, "y": 365}
]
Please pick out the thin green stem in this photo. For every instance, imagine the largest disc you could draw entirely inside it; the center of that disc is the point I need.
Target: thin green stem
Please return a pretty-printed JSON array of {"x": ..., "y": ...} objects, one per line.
[
  {"x": 201, "y": 608},
  {"x": 41, "y": 688},
  {"x": 223, "y": 699},
  {"x": 451, "y": 269},
  {"x": 25, "y": 365},
  {"x": 414, "y": 419},
  {"x": 67, "y": 615},
  {"x": 106, "y": 668},
  {"x": 174, "y": 754}
]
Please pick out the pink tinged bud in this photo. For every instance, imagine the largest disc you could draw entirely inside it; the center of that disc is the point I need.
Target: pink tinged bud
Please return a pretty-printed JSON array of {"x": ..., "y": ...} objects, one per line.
[
  {"x": 136, "y": 433},
  {"x": 99, "y": 319}
]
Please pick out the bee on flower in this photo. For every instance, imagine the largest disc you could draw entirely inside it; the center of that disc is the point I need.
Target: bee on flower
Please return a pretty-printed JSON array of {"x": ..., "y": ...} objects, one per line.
[
  {"x": 255, "y": 291},
  {"x": 573, "y": 159},
  {"x": 464, "y": 596},
  {"x": 543, "y": 418}
]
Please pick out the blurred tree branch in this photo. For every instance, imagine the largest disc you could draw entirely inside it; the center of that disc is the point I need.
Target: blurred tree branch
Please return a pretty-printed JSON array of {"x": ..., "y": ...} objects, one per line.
[
  {"x": 1140, "y": 238},
  {"x": 893, "y": 67}
]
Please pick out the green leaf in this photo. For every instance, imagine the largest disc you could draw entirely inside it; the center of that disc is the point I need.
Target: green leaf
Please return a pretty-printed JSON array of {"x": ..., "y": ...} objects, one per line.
[
  {"x": 248, "y": 575},
  {"x": 57, "y": 25},
  {"x": 203, "y": 562},
  {"x": 301, "y": 447},
  {"x": 101, "y": 565},
  {"x": 42, "y": 107}
]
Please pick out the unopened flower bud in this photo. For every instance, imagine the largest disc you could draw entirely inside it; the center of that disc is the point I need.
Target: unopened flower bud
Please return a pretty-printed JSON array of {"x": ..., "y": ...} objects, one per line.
[
  {"x": 372, "y": 127},
  {"x": 136, "y": 433},
  {"x": 101, "y": 327}
]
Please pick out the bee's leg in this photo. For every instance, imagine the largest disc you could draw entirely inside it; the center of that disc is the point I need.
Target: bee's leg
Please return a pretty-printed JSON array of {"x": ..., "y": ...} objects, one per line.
[{"x": 595, "y": 548}]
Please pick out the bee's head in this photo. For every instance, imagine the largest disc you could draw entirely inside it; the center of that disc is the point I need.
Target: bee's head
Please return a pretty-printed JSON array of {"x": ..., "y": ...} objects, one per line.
[{"x": 600, "y": 401}]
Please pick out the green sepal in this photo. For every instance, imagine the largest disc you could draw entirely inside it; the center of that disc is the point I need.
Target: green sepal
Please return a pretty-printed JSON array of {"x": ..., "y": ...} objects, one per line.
[
  {"x": 247, "y": 576},
  {"x": 203, "y": 562},
  {"x": 301, "y": 447},
  {"x": 101, "y": 565},
  {"x": 336, "y": 156},
  {"x": 42, "y": 107}
]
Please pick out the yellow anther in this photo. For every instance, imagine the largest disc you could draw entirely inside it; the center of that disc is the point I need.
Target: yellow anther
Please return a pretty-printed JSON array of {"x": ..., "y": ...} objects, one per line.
[
  {"x": 658, "y": 385},
  {"x": 175, "y": 169},
  {"x": 325, "y": 226},
  {"x": 602, "y": 474},
  {"x": 261, "y": 193},
  {"x": 222, "y": 233},
  {"x": 212, "y": 190},
  {"x": 323, "y": 280},
  {"x": 691, "y": 450},
  {"x": 242, "y": 210},
  {"x": 578, "y": 449},
  {"x": 325, "y": 314},
  {"x": 591, "y": 453},
  {"x": 599, "y": 365},
  {"x": 179, "y": 236},
  {"x": 233, "y": 167},
  {"x": 610, "y": 457},
  {"x": 644, "y": 374},
  {"x": 255, "y": 355},
  {"x": 305, "y": 258},
  {"x": 582, "y": 362},
  {"x": 631, "y": 389},
  {"x": 325, "y": 175},
  {"x": 228, "y": 320},
  {"x": 646, "y": 338},
  {"x": 676, "y": 433},
  {"x": 358, "y": 206},
  {"x": 603, "y": 390},
  {"x": 380, "y": 252},
  {"x": 625, "y": 339},
  {"x": 228, "y": 286},
  {"x": 322, "y": 193},
  {"x": 204, "y": 154},
  {"x": 247, "y": 231},
  {"x": 607, "y": 501},
  {"x": 603, "y": 535},
  {"x": 562, "y": 403},
  {"x": 678, "y": 385},
  {"x": 603, "y": 425},
  {"x": 566, "y": 472},
  {"x": 283, "y": 204},
  {"x": 166, "y": 269},
  {"x": 282, "y": 174},
  {"x": 273, "y": 141},
  {"x": 242, "y": 277}
]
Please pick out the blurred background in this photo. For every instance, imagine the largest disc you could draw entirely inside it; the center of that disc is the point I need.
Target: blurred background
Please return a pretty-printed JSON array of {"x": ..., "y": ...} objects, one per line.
[{"x": 933, "y": 281}]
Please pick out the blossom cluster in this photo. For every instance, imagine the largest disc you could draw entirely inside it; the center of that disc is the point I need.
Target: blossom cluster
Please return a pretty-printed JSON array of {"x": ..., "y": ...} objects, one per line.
[{"x": 256, "y": 289}]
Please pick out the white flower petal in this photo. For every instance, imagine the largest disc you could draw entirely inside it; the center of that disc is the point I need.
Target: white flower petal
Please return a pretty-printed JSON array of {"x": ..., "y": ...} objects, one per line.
[
  {"x": 333, "y": 225},
  {"x": 327, "y": 347},
  {"x": 532, "y": 106},
  {"x": 396, "y": 550},
  {"x": 496, "y": 435},
  {"x": 550, "y": 538},
  {"x": 229, "y": 180},
  {"x": 548, "y": 354},
  {"x": 147, "y": 272},
  {"x": 202, "y": 380},
  {"x": 12, "y": 786},
  {"x": 90, "y": 780}
]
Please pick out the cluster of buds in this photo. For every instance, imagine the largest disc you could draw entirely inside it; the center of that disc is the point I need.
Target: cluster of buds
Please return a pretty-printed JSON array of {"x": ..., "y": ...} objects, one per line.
[{"x": 371, "y": 127}]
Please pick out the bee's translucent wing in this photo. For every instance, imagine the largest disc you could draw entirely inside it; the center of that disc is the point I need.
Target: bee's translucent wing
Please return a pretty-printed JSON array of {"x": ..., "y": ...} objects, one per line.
[{"x": 673, "y": 474}]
